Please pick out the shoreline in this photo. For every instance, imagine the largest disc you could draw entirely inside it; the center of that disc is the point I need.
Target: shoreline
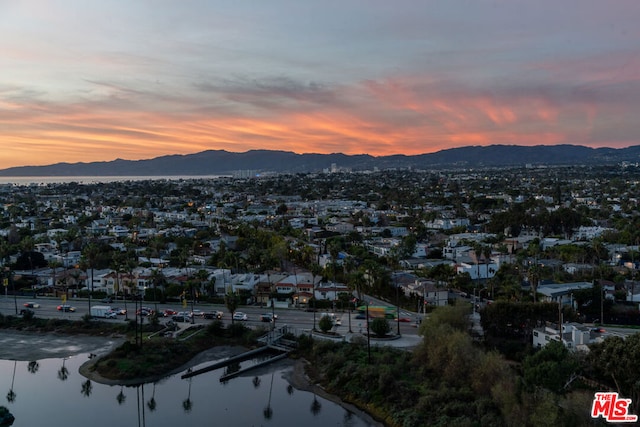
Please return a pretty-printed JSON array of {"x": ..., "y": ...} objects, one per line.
[
  {"x": 26, "y": 346},
  {"x": 297, "y": 377}
]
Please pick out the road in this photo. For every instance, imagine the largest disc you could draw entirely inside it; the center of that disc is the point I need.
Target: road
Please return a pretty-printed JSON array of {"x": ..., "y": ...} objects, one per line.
[{"x": 293, "y": 317}]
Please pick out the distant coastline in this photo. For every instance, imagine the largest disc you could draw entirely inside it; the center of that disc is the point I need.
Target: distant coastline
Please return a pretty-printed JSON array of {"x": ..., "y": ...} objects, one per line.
[{"x": 43, "y": 180}]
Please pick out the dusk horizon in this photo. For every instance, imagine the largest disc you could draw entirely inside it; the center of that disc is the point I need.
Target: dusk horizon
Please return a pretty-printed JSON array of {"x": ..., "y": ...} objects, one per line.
[{"x": 95, "y": 83}]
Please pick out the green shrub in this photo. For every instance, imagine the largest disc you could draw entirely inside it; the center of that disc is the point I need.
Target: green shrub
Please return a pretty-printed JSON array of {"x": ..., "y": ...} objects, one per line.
[
  {"x": 28, "y": 316},
  {"x": 380, "y": 327},
  {"x": 216, "y": 328},
  {"x": 325, "y": 324}
]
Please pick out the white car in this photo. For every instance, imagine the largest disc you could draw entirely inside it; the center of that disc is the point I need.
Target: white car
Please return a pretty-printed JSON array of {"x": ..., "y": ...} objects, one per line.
[{"x": 238, "y": 315}]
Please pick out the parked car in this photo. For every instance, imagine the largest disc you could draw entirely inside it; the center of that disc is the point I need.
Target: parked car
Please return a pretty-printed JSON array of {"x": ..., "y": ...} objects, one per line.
[
  {"x": 111, "y": 315},
  {"x": 31, "y": 305},
  {"x": 107, "y": 300},
  {"x": 169, "y": 312},
  {"x": 179, "y": 318},
  {"x": 197, "y": 313},
  {"x": 119, "y": 311},
  {"x": 26, "y": 311},
  {"x": 238, "y": 315},
  {"x": 66, "y": 308}
]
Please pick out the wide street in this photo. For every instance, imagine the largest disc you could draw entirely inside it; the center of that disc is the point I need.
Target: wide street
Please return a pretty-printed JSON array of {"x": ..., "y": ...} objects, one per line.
[{"x": 292, "y": 317}]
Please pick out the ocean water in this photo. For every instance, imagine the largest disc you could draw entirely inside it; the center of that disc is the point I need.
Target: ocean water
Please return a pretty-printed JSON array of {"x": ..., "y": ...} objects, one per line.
[{"x": 44, "y": 180}]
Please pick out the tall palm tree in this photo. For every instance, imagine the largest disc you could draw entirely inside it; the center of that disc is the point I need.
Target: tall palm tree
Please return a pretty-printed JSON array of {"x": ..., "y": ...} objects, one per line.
[
  {"x": 157, "y": 278},
  {"x": 231, "y": 301},
  {"x": 91, "y": 253}
]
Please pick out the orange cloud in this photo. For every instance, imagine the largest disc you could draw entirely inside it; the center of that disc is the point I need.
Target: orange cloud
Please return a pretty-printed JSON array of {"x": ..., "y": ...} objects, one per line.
[{"x": 402, "y": 115}]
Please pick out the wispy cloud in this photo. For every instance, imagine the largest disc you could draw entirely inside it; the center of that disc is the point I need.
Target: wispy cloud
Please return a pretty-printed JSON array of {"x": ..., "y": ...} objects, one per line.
[{"x": 82, "y": 83}]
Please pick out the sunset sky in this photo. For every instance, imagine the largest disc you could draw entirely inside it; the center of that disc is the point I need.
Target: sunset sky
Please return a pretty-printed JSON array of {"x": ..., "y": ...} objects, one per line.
[{"x": 84, "y": 81}]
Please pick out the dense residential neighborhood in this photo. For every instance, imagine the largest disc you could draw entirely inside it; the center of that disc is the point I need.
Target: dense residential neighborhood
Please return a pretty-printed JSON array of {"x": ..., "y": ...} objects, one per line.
[
  {"x": 540, "y": 255},
  {"x": 553, "y": 225}
]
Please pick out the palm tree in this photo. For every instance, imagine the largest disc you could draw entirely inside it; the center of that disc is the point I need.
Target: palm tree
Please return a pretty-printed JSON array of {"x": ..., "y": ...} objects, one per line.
[
  {"x": 231, "y": 301},
  {"x": 91, "y": 253},
  {"x": 157, "y": 278}
]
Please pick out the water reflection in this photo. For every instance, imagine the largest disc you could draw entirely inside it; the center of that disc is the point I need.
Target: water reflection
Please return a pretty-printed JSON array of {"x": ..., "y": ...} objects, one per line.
[
  {"x": 63, "y": 372},
  {"x": 187, "y": 404},
  {"x": 11, "y": 395},
  {"x": 120, "y": 398},
  {"x": 151, "y": 404},
  {"x": 33, "y": 366},
  {"x": 268, "y": 411},
  {"x": 263, "y": 397},
  {"x": 87, "y": 387}
]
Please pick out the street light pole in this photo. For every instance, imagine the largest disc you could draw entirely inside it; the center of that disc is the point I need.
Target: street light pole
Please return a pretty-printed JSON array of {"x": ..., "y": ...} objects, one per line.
[
  {"x": 397, "y": 306},
  {"x": 368, "y": 334}
]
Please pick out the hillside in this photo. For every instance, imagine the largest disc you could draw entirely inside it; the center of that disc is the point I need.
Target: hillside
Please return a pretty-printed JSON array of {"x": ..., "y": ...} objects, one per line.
[{"x": 220, "y": 162}]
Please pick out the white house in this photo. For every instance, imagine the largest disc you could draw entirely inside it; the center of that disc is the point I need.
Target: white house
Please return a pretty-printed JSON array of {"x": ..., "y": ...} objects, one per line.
[
  {"x": 574, "y": 336},
  {"x": 561, "y": 292},
  {"x": 330, "y": 291},
  {"x": 477, "y": 271}
]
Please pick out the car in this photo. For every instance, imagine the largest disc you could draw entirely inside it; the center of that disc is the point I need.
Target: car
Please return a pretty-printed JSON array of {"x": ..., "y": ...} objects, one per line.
[
  {"x": 31, "y": 305},
  {"x": 238, "y": 315},
  {"x": 361, "y": 316},
  {"x": 107, "y": 300},
  {"x": 169, "y": 312},
  {"x": 405, "y": 320},
  {"x": 598, "y": 330},
  {"x": 119, "y": 311},
  {"x": 111, "y": 315},
  {"x": 144, "y": 311},
  {"x": 268, "y": 317},
  {"x": 180, "y": 318},
  {"x": 66, "y": 308},
  {"x": 26, "y": 311},
  {"x": 213, "y": 314},
  {"x": 197, "y": 313}
]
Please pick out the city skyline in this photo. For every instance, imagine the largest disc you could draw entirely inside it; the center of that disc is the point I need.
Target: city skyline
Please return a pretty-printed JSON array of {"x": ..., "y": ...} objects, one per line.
[{"x": 85, "y": 82}]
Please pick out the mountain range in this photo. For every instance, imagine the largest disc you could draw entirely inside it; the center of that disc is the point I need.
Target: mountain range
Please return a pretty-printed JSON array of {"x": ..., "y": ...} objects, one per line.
[{"x": 221, "y": 162}]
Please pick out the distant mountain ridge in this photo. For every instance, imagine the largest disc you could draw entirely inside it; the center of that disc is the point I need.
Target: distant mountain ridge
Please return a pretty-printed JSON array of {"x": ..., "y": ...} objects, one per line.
[{"x": 221, "y": 162}]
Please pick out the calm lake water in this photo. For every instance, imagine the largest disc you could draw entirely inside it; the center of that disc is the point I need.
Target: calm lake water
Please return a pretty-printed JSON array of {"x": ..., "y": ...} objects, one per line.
[{"x": 51, "y": 392}]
